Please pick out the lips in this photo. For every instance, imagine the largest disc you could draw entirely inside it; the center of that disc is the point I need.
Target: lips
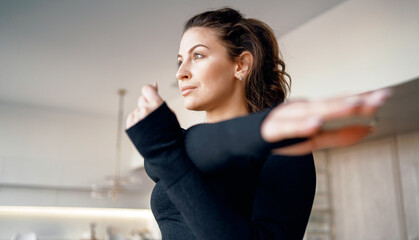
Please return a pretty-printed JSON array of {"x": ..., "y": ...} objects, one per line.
[{"x": 186, "y": 90}]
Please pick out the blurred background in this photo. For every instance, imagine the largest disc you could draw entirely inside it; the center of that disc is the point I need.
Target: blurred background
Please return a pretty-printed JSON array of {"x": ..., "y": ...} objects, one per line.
[{"x": 63, "y": 174}]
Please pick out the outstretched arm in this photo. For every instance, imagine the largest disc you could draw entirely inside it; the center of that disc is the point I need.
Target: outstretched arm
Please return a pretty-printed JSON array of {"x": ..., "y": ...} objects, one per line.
[{"x": 292, "y": 128}]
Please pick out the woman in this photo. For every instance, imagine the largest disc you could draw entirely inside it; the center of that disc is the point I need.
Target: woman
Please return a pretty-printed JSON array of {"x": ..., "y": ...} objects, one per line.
[{"x": 248, "y": 173}]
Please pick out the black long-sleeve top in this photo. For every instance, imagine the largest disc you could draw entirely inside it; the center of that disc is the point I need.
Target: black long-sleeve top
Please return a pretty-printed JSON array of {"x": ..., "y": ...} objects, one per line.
[{"x": 219, "y": 181}]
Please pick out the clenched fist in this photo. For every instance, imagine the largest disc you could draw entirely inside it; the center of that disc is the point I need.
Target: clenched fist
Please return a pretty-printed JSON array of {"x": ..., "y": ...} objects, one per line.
[{"x": 149, "y": 101}]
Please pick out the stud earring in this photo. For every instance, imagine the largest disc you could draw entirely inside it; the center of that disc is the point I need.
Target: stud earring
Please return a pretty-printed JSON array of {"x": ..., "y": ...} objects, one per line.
[{"x": 241, "y": 79}]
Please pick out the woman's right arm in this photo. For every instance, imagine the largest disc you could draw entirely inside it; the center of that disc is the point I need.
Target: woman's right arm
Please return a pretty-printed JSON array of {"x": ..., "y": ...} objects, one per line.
[{"x": 293, "y": 128}]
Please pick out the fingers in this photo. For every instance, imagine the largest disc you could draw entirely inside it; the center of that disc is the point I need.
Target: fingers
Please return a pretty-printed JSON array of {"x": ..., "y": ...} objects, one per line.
[
  {"x": 143, "y": 108},
  {"x": 273, "y": 130},
  {"x": 130, "y": 120},
  {"x": 340, "y": 138},
  {"x": 365, "y": 104},
  {"x": 142, "y": 101},
  {"x": 134, "y": 117},
  {"x": 376, "y": 99},
  {"x": 149, "y": 101},
  {"x": 302, "y": 118},
  {"x": 151, "y": 96},
  {"x": 294, "y": 150},
  {"x": 330, "y": 139},
  {"x": 140, "y": 113}
]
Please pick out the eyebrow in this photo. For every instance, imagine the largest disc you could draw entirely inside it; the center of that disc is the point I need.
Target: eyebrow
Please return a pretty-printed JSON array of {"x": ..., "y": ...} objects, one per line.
[{"x": 192, "y": 48}]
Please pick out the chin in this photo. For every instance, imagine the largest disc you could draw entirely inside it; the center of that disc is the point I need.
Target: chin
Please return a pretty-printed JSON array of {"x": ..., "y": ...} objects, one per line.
[{"x": 192, "y": 105}]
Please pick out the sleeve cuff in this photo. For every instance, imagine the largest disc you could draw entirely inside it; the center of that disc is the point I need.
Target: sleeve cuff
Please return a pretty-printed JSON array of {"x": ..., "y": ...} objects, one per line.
[
  {"x": 159, "y": 138},
  {"x": 159, "y": 127}
]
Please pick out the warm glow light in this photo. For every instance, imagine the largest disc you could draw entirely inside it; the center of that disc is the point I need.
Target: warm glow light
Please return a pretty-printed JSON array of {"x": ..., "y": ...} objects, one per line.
[{"x": 68, "y": 211}]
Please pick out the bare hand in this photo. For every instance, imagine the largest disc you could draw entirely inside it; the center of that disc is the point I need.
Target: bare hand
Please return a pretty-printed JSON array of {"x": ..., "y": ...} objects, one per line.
[
  {"x": 304, "y": 119},
  {"x": 149, "y": 101}
]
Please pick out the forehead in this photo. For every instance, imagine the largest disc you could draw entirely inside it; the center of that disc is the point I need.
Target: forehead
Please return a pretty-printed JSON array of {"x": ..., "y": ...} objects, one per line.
[{"x": 199, "y": 35}]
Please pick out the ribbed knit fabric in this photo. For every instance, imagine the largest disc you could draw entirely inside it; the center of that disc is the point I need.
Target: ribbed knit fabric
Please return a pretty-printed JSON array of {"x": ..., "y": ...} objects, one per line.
[
  {"x": 218, "y": 181},
  {"x": 230, "y": 143}
]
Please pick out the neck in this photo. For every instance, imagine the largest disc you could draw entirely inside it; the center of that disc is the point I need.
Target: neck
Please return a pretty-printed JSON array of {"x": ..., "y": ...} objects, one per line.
[{"x": 227, "y": 111}]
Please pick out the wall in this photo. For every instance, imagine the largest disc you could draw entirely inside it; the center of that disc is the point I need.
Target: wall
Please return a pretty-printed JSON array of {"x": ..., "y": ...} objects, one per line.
[
  {"x": 73, "y": 223},
  {"x": 60, "y": 154},
  {"x": 374, "y": 191},
  {"x": 357, "y": 46},
  {"x": 51, "y": 157},
  {"x": 354, "y": 47}
]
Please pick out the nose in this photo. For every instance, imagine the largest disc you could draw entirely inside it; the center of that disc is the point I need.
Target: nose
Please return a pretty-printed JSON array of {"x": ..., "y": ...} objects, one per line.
[{"x": 183, "y": 72}]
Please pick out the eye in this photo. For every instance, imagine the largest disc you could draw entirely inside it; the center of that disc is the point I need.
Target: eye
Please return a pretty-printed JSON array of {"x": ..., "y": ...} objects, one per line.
[
  {"x": 179, "y": 62},
  {"x": 197, "y": 55}
]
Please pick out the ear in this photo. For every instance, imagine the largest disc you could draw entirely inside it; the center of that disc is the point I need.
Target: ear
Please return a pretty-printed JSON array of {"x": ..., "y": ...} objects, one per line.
[{"x": 243, "y": 65}]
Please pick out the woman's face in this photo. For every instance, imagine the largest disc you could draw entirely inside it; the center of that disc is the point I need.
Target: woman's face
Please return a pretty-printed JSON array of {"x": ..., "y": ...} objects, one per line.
[{"x": 206, "y": 72}]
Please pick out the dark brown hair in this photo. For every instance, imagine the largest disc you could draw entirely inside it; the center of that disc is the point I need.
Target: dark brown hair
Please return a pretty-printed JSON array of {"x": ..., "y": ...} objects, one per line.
[{"x": 266, "y": 84}]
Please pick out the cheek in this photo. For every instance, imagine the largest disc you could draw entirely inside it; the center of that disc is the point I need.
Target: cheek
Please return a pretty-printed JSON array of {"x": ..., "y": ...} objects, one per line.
[{"x": 217, "y": 75}]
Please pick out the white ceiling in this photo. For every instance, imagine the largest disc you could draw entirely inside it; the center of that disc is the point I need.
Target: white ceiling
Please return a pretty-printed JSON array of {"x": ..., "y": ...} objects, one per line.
[{"x": 76, "y": 54}]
